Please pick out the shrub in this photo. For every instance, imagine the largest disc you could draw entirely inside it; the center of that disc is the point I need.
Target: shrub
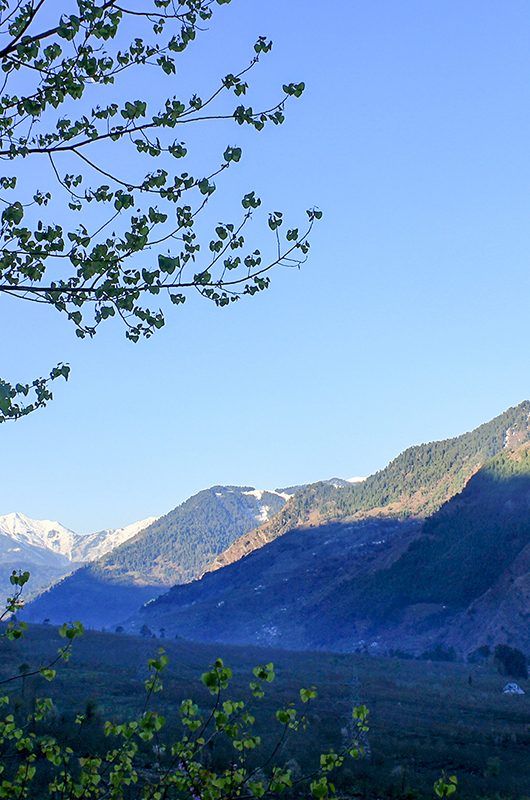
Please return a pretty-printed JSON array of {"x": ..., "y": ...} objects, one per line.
[{"x": 510, "y": 661}]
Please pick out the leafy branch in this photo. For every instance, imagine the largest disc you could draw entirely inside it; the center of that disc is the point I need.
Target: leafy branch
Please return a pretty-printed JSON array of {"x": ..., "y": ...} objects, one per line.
[{"x": 137, "y": 242}]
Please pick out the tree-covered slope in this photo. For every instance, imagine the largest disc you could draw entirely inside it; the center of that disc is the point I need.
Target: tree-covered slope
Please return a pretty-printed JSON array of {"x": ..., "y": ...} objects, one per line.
[
  {"x": 416, "y": 483},
  {"x": 423, "y": 477},
  {"x": 446, "y": 587},
  {"x": 468, "y": 543},
  {"x": 179, "y": 546},
  {"x": 174, "y": 549}
]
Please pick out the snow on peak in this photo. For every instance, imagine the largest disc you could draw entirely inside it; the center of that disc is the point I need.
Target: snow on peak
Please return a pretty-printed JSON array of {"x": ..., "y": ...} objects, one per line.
[
  {"x": 356, "y": 480},
  {"x": 286, "y": 495},
  {"x": 264, "y": 511},
  {"x": 95, "y": 545},
  {"x": 44, "y": 533},
  {"x": 258, "y": 493},
  {"x": 51, "y": 535}
]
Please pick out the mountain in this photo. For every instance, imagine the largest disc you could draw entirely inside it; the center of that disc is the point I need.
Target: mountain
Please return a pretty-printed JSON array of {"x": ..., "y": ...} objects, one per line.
[
  {"x": 416, "y": 483},
  {"x": 96, "y": 545},
  {"x": 272, "y": 597},
  {"x": 49, "y": 550},
  {"x": 453, "y": 575},
  {"x": 43, "y": 547},
  {"x": 43, "y": 533},
  {"x": 476, "y": 552},
  {"x": 174, "y": 549},
  {"x": 181, "y": 544}
]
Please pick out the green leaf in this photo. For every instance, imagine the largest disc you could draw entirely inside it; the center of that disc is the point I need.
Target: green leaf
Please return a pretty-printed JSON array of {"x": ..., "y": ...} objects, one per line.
[
  {"x": 206, "y": 187},
  {"x": 232, "y": 154},
  {"x": 264, "y": 672},
  {"x": 19, "y": 578},
  {"x": 13, "y": 214},
  {"x": 308, "y": 694},
  {"x": 319, "y": 789}
]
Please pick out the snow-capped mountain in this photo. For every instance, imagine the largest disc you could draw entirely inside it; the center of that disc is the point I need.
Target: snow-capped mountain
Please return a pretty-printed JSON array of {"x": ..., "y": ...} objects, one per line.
[
  {"x": 39, "y": 533},
  {"x": 95, "y": 545},
  {"x": 49, "y": 550},
  {"x": 53, "y": 536}
]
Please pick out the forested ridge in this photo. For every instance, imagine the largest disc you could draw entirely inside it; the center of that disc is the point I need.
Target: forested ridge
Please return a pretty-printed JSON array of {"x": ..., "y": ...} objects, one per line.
[
  {"x": 416, "y": 482},
  {"x": 465, "y": 547},
  {"x": 178, "y": 546}
]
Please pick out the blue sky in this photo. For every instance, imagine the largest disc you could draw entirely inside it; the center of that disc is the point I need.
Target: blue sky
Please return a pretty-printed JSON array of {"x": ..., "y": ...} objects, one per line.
[{"x": 410, "y": 321}]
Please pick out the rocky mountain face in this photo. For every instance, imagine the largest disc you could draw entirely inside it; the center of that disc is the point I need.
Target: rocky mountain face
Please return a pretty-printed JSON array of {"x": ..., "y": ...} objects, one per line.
[
  {"x": 49, "y": 550},
  {"x": 173, "y": 549},
  {"x": 430, "y": 554}
]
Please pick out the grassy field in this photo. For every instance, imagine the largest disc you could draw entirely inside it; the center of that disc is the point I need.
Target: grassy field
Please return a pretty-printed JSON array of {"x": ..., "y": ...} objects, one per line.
[{"x": 424, "y": 717}]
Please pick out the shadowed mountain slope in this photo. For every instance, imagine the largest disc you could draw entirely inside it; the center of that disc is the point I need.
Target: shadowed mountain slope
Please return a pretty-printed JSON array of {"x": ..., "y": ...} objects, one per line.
[
  {"x": 415, "y": 483},
  {"x": 458, "y": 579},
  {"x": 272, "y": 596}
]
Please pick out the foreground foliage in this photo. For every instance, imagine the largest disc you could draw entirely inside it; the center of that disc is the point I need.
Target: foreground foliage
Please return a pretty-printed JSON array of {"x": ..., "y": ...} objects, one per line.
[{"x": 424, "y": 716}]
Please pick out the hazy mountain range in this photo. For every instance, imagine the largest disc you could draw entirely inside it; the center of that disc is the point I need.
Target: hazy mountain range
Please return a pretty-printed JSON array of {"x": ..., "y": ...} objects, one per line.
[
  {"x": 49, "y": 550},
  {"x": 431, "y": 554}
]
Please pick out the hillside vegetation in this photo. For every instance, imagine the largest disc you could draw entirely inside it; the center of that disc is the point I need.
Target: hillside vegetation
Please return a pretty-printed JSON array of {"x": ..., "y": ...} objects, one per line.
[
  {"x": 467, "y": 544},
  {"x": 179, "y": 546},
  {"x": 416, "y": 483}
]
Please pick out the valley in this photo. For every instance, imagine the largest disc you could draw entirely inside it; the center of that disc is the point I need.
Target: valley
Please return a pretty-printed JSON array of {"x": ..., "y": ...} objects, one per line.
[{"x": 424, "y": 716}]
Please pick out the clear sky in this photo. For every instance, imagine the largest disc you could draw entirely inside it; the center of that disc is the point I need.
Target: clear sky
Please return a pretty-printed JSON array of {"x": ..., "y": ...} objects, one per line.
[{"x": 410, "y": 322}]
